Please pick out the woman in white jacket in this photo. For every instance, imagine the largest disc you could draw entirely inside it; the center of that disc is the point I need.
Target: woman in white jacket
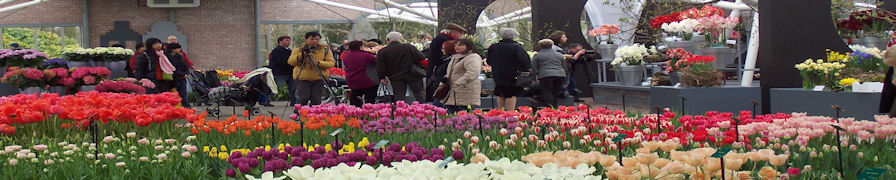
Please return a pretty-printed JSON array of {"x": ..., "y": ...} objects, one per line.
[{"x": 463, "y": 74}]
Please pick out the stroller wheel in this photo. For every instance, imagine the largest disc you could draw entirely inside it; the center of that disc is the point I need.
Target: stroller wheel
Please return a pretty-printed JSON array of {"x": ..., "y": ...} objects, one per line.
[
  {"x": 256, "y": 112},
  {"x": 216, "y": 113}
]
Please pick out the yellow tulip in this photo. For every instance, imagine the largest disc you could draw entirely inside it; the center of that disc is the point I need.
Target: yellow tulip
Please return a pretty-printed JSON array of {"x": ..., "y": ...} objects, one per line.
[
  {"x": 223, "y": 148},
  {"x": 205, "y": 149},
  {"x": 280, "y": 147},
  {"x": 328, "y": 148},
  {"x": 267, "y": 148},
  {"x": 214, "y": 149}
]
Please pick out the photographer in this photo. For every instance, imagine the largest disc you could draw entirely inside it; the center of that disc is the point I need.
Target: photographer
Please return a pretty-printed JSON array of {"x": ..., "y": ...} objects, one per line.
[
  {"x": 311, "y": 63},
  {"x": 576, "y": 57}
]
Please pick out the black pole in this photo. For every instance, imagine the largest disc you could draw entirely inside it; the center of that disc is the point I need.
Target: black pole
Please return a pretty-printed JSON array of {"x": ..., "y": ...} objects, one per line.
[
  {"x": 682, "y": 104},
  {"x": 839, "y": 148},
  {"x": 619, "y": 150},
  {"x": 659, "y": 128},
  {"x": 480, "y": 126},
  {"x": 623, "y": 106},
  {"x": 723, "y": 166},
  {"x": 754, "y": 108}
]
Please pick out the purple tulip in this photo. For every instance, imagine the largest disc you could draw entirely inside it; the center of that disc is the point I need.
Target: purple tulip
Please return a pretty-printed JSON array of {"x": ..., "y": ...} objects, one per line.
[
  {"x": 297, "y": 162},
  {"x": 230, "y": 172},
  {"x": 418, "y": 153},
  {"x": 319, "y": 149},
  {"x": 244, "y": 168},
  {"x": 283, "y": 155},
  {"x": 251, "y": 162},
  {"x": 350, "y": 163},
  {"x": 319, "y": 163},
  {"x": 267, "y": 155},
  {"x": 305, "y": 155},
  {"x": 436, "y": 151},
  {"x": 316, "y": 156},
  {"x": 457, "y": 154},
  {"x": 371, "y": 160}
]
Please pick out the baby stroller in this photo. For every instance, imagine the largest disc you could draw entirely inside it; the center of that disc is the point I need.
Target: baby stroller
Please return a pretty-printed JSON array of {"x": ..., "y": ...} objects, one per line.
[
  {"x": 200, "y": 88},
  {"x": 245, "y": 91}
]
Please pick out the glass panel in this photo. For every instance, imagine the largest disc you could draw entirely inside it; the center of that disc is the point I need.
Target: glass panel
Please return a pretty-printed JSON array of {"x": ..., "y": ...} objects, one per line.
[
  {"x": 24, "y": 37},
  {"x": 48, "y": 41},
  {"x": 72, "y": 36},
  {"x": 160, "y": 1},
  {"x": 186, "y": 1}
]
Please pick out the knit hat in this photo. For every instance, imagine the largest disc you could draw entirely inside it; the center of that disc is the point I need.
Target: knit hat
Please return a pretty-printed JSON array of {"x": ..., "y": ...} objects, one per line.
[
  {"x": 15, "y": 45},
  {"x": 173, "y": 46},
  {"x": 452, "y": 26}
]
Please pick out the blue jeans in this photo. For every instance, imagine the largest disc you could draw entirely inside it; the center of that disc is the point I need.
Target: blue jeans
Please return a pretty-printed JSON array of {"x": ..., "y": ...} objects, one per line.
[
  {"x": 182, "y": 91},
  {"x": 438, "y": 103},
  {"x": 290, "y": 86}
]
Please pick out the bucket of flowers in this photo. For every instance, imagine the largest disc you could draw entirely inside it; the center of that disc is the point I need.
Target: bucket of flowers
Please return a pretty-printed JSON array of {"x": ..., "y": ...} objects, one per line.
[
  {"x": 28, "y": 80},
  {"x": 697, "y": 71},
  {"x": 88, "y": 77}
]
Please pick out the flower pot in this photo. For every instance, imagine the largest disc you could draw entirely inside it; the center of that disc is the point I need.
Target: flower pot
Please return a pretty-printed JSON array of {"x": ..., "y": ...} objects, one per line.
[
  {"x": 724, "y": 56},
  {"x": 690, "y": 46},
  {"x": 31, "y": 90},
  {"x": 87, "y": 88},
  {"x": 675, "y": 77},
  {"x": 878, "y": 42},
  {"x": 117, "y": 68},
  {"x": 77, "y": 64},
  {"x": 607, "y": 51},
  {"x": 631, "y": 75},
  {"x": 99, "y": 63},
  {"x": 58, "y": 90},
  {"x": 3, "y": 70}
]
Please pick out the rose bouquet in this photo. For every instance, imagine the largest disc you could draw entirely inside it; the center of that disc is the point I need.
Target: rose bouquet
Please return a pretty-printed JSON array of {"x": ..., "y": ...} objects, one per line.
[
  {"x": 25, "y": 77},
  {"x": 90, "y": 76},
  {"x": 632, "y": 55}
]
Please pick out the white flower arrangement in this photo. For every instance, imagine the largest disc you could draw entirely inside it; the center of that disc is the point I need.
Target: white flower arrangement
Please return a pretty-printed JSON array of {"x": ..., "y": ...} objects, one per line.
[
  {"x": 683, "y": 26},
  {"x": 630, "y": 55},
  {"x": 500, "y": 169}
]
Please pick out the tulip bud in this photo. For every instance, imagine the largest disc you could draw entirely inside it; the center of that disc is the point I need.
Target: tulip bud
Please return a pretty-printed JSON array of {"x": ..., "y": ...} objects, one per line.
[
  {"x": 493, "y": 144},
  {"x": 474, "y": 139},
  {"x": 541, "y": 143},
  {"x": 861, "y": 155},
  {"x": 475, "y": 151},
  {"x": 467, "y": 134},
  {"x": 504, "y": 132}
]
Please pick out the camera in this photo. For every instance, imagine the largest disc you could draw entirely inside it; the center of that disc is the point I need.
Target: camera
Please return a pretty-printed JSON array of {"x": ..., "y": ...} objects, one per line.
[{"x": 308, "y": 49}]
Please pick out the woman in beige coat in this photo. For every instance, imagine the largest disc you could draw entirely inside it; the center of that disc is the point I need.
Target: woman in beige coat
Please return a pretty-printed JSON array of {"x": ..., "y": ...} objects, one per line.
[{"x": 463, "y": 74}]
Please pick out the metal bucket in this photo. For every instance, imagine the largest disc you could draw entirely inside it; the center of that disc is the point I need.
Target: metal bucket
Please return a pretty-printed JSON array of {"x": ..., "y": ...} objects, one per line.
[
  {"x": 607, "y": 51},
  {"x": 631, "y": 75},
  {"x": 724, "y": 56}
]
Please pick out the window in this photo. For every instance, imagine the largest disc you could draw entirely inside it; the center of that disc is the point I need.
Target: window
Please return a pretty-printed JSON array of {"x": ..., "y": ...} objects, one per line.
[{"x": 48, "y": 39}]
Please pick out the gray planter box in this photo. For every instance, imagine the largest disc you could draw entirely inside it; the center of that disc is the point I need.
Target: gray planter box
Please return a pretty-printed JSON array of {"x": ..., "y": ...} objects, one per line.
[
  {"x": 8, "y": 89},
  {"x": 862, "y": 106},
  {"x": 612, "y": 93},
  {"x": 700, "y": 100}
]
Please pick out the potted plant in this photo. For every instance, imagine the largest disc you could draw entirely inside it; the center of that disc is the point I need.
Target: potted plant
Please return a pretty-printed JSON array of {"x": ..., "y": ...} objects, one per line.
[
  {"x": 629, "y": 63},
  {"x": 24, "y": 58},
  {"x": 55, "y": 63},
  {"x": 88, "y": 77},
  {"x": 606, "y": 47},
  {"x": 870, "y": 26},
  {"x": 819, "y": 72},
  {"x": 116, "y": 59},
  {"x": 125, "y": 85},
  {"x": 28, "y": 80},
  {"x": 59, "y": 80},
  {"x": 676, "y": 55},
  {"x": 717, "y": 30},
  {"x": 698, "y": 71},
  {"x": 76, "y": 57}
]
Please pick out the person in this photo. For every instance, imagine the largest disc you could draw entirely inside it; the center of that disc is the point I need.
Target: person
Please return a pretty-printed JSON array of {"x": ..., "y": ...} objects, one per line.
[
  {"x": 172, "y": 40},
  {"x": 559, "y": 38},
  {"x": 377, "y": 41},
  {"x": 509, "y": 60},
  {"x": 154, "y": 64},
  {"x": 311, "y": 64},
  {"x": 396, "y": 61},
  {"x": 280, "y": 67},
  {"x": 575, "y": 57},
  {"x": 448, "y": 51},
  {"x": 373, "y": 47},
  {"x": 14, "y": 46},
  {"x": 549, "y": 66},
  {"x": 888, "y": 95},
  {"x": 463, "y": 77},
  {"x": 337, "y": 54},
  {"x": 360, "y": 72},
  {"x": 425, "y": 40},
  {"x": 257, "y": 85},
  {"x": 436, "y": 65},
  {"x": 180, "y": 73},
  {"x": 132, "y": 64}
]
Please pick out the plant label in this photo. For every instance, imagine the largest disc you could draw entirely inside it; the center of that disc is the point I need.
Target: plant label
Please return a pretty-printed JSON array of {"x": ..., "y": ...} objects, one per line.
[
  {"x": 620, "y": 137},
  {"x": 818, "y": 88},
  {"x": 336, "y": 132},
  {"x": 731, "y": 42},
  {"x": 872, "y": 173},
  {"x": 677, "y": 85},
  {"x": 380, "y": 144},
  {"x": 721, "y": 152}
]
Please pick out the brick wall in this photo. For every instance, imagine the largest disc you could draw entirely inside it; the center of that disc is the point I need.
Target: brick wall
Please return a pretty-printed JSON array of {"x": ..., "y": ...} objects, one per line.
[
  {"x": 305, "y": 10},
  {"x": 55, "y": 11}
]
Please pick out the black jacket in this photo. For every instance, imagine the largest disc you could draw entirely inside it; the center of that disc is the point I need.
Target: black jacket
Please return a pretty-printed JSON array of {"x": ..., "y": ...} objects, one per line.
[
  {"x": 277, "y": 61},
  {"x": 435, "y": 56},
  {"x": 396, "y": 59},
  {"x": 181, "y": 70},
  {"x": 145, "y": 68},
  {"x": 507, "y": 59},
  {"x": 888, "y": 93}
]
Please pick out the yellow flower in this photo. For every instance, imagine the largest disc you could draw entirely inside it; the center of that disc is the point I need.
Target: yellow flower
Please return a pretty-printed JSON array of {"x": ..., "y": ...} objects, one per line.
[
  {"x": 223, "y": 148},
  {"x": 222, "y": 156},
  {"x": 328, "y": 148},
  {"x": 211, "y": 154},
  {"x": 848, "y": 81},
  {"x": 267, "y": 148},
  {"x": 214, "y": 150},
  {"x": 363, "y": 143},
  {"x": 369, "y": 154},
  {"x": 205, "y": 149},
  {"x": 280, "y": 147}
]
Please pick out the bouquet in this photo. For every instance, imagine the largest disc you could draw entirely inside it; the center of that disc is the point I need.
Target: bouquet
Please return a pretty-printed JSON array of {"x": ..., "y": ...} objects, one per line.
[
  {"x": 630, "y": 55},
  {"x": 873, "y": 23},
  {"x": 90, "y": 76},
  {"x": 23, "y": 58},
  {"x": 665, "y": 19},
  {"x": 676, "y": 55},
  {"x": 114, "y": 53},
  {"x": 684, "y": 28},
  {"x": 819, "y": 72},
  {"x": 55, "y": 63},
  {"x": 606, "y": 29},
  {"x": 59, "y": 77},
  {"x": 25, "y": 77},
  {"x": 696, "y": 71},
  {"x": 716, "y": 28},
  {"x": 125, "y": 85}
]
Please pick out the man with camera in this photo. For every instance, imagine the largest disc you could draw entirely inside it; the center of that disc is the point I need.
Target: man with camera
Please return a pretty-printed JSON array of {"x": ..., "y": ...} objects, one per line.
[
  {"x": 577, "y": 58},
  {"x": 311, "y": 63}
]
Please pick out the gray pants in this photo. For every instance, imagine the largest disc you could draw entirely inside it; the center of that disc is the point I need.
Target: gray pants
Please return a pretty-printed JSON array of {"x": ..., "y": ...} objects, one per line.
[
  {"x": 400, "y": 86},
  {"x": 309, "y": 92}
]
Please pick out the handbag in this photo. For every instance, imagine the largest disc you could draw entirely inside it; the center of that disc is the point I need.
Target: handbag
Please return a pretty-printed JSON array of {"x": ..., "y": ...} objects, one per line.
[
  {"x": 524, "y": 80},
  {"x": 443, "y": 89},
  {"x": 167, "y": 77},
  {"x": 384, "y": 94}
]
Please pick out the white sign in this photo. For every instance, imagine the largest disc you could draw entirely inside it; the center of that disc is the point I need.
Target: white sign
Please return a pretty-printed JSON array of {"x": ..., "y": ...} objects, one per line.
[{"x": 818, "y": 88}]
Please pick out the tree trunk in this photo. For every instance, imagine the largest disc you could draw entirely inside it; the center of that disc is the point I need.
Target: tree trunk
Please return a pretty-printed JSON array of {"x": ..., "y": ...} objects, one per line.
[
  {"x": 461, "y": 12},
  {"x": 558, "y": 15}
]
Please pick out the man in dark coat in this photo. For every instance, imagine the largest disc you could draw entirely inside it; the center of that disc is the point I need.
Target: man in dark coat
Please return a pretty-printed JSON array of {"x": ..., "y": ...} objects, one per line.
[
  {"x": 508, "y": 60},
  {"x": 435, "y": 69},
  {"x": 401, "y": 63},
  {"x": 281, "y": 69},
  {"x": 889, "y": 92}
]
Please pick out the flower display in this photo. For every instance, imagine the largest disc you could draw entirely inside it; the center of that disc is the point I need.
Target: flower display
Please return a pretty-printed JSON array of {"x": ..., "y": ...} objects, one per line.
[
  {"x": 606, "y": 29},
  {"x": 23, "y": 58},
  {"x": 717, "y": 27},
  {"x": 819, "y": 72},
  {"x": 676, "y": 55},
  {"x": 25, "y": 77},
  {"x": 98, "y": 54},
  {"x": 59, "y": 77},
  {"x": 685, "y": 28},
  {"x": 89, "y": 76},
  {"x": 115, "y": 86},
  {"x": 630, "y": 55},
  {"x": 336, "y": 71},
  {"x": 665, "y": 19},
  {"x": 55, "y": 63},
  {"x": 705, "y": 11}
]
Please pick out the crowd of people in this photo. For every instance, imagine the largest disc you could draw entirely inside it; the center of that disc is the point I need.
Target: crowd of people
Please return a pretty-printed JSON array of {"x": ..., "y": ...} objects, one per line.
[{"x": 445, "y": 73}]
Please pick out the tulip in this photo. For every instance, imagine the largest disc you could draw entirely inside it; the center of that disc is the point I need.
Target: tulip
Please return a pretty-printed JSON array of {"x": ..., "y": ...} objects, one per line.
[
  {"x": 474, "y": 139},
  {"x": 467, "y": 134},
  {"x": 566, "y": 144},
  {"x": 504, "y": 132}
]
